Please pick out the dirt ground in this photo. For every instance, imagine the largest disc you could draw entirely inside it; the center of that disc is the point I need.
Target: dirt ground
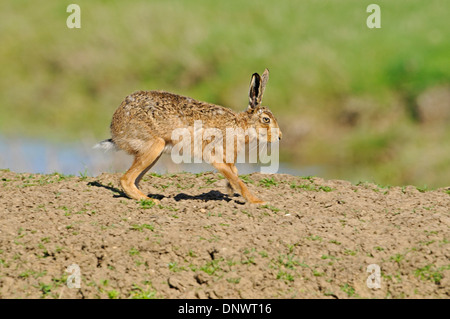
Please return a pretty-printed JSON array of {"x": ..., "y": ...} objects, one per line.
[{"x": 314, "y": 239}]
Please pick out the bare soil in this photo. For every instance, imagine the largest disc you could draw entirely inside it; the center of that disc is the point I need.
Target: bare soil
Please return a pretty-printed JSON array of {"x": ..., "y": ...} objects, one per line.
[{"x": 314, "y": 239}]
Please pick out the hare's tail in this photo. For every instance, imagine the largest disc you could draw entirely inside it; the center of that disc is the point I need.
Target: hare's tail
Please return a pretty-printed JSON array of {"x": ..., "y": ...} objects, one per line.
[{"x": 106, "y": 145}]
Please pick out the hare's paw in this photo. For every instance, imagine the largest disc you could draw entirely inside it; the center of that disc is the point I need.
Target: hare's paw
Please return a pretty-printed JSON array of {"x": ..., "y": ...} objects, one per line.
[
  {"x": 139, "y": 196},
  {"x": 255, "y": 200}
]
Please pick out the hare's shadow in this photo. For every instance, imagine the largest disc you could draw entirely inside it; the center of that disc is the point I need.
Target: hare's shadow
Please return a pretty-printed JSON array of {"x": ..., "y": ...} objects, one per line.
[
  {"x": 211, "y": 195},
  {"x": 111, "y": 188}
]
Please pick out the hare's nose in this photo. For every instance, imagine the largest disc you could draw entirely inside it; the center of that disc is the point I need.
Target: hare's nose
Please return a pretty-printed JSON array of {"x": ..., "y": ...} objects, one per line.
[{"x": 279, "y": 136}]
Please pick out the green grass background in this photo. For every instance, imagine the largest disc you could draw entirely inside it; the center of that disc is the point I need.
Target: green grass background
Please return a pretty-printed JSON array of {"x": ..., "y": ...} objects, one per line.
[{"x": 64, "y": 84}]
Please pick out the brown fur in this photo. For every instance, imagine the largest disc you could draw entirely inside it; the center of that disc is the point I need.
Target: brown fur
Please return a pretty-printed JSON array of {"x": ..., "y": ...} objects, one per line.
[{"x": 142, "y": 126}]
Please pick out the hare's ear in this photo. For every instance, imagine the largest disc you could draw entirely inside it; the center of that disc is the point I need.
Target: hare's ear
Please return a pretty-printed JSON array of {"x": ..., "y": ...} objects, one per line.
[
  {"x": 264, "y": 79},
  {"x": 257, "y": 86},
  {"x": 255, "y": 91}
]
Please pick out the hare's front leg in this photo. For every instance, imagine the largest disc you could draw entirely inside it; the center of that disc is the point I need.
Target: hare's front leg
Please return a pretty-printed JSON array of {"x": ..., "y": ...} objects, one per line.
[
  {"x": 230, "y": 172},
  {"x": 233, "y": 188},
  {"x": 143, "y": 161}
]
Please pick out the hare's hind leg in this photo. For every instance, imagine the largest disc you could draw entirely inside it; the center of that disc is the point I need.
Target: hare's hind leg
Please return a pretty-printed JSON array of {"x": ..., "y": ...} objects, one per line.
[
  {"x": 142, "y": 163},
  {"x": 230, "y": 172}
]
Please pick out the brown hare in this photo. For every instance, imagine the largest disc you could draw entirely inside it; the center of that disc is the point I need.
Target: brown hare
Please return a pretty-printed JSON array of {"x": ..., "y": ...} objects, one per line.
[{"x": 143, "y": 125}]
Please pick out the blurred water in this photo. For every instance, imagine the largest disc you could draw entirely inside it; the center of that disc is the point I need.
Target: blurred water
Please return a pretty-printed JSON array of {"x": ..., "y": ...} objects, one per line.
[{"x": 38, "y": 156}]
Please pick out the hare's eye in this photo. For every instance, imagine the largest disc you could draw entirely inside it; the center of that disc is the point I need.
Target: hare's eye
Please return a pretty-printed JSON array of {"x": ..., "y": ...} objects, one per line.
[{"x": 266, "y": 119}]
